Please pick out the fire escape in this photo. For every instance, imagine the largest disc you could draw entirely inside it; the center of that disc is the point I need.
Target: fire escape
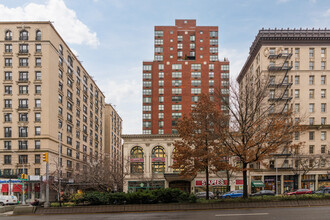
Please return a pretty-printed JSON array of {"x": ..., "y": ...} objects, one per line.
[{"x": 281, "y": 94}]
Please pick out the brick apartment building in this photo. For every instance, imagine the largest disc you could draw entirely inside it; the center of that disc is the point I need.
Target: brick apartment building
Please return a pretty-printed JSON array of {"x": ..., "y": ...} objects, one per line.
[{"x": 185, "y": 65}]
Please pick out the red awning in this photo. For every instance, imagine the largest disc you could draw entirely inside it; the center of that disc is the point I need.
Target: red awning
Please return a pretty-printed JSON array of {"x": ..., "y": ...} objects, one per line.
[
  {"x": 17, "y": 188},
  {"x": 4, "y": 188}
]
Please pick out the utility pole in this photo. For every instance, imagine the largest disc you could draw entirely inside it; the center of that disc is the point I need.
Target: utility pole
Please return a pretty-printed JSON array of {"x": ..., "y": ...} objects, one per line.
[{"x": 45, "y": 158}]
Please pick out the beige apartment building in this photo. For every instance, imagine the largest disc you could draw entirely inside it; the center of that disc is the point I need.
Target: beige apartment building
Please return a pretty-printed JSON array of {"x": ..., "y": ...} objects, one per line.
[
  {"x": 47, "y": 98},
  {"x": 147, "y": 161},
  {"x": 295, "y": 64},
  {"x": 113, "y": 140}
]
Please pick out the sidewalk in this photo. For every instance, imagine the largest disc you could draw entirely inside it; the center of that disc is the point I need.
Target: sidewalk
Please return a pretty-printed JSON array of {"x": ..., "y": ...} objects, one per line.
[{"x": 177, "y": 207}]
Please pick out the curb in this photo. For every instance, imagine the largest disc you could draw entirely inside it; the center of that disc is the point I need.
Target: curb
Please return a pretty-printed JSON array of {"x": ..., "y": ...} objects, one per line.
[{"x": 173, "y": 207}]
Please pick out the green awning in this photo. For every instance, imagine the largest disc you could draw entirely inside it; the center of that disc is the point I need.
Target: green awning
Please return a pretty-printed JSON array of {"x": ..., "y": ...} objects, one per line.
[{"x": 257, "y": 183}]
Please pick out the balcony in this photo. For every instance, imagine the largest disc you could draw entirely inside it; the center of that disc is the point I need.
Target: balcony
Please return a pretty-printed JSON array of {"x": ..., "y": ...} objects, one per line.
[
  {"x": 279, "y": 68},
  {"x": 280, "y": 55}
]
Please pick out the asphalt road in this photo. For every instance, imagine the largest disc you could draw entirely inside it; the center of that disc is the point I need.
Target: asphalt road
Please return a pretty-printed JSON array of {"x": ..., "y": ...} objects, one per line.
[{"x": 301, "y": 213}]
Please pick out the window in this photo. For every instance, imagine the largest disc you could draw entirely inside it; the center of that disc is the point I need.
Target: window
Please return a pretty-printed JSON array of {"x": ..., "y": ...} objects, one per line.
[
  {"x": 195, "y": 90},
  {"x": 23, "y": 62},
  {"x": 38, "y": 61},
  {"x": 323, "y": 149},
  {"x": 146, "y": 83},
  {"x": 8, "y": 90},
  {"x": 323, "y": 80},
  {"x": 296, "y": 136},
  {"x": 8, "y": 48},
  {"x": 8, "y": 103},
  {"x": 159, "y": 41},
  {"x": 296, "y": 93},
  {"x": 192, "y": 37},
  {"x": 195, "y": 82},
  {"x": 158, "y": 33},
  {"x": 37, "y": 103},
  {"x": 176, "y": 91},
  {"x": 224, "y": 75},
  {"x": 323, "y": 135},
  {"x": 161, "y": 107},
  {"x": 8, "y": 117},
  {"x": 180, "y": 46},
  {"x": 213, "y": 58},
  {"x": 311, "y": 93},
  {"x": 196, "y": 66},
  {"x": 22, "y": 145},
  {"x": 322, "y": 65},
  {"x": 158, "y": 57},
  {"x": 311, "y": 80},
  {"x": 311, "y": 107},
  {"x": 311, "y": 65},
  {"x": 176, "y": 98},
  {"x": 38, "y": 75},
  {"x": 146, "y": 91},
  {"x": 23, "y": 48},
  {"x": 161, "y": 124},
  {"x": 213, "y": 41},
  {"x": 37, "y": 130},
  {"x": 323, "y": 107},
  {"x": 23, "y": 103},
  {"x": 8, "y": 35},
  {"x": 38, "y": 35},
  {"x": 7, "y": 131},
  {"x": 24, "y": 35},
  {"x": 8, "y": 76},
  {"x": 69, "y": 140},
  {"x": 137, "y": 160},
  {"x": 192, "y": 46},
  {"x": 176, "y": 66},
  {"x": 146, "y": 99},
  {"x": 8, "y": 62},
  {"x": 161, "y": 91},
  {"x": 311, "y": 121},
  {"x": 7, "y": 159},
  {"x": 296, "y": 65},
  {"x": 224, "y": 67},
  {"x": 37, "y": 117},
  {"x": 196, "y": 74},
  {"x": 161, "y": 82},
  {"x": 311, "y": 149},
  {"x": 296, "y": 108},
  {"x": 161, "y": 66},
  {"x": 211, "y": 75},
  {"x": 323, "y": 92},
  {"x": 146, "y": 124},
  {"x": 7, "y": 145},
  {"x": 158, "y": 159},
  {"x": 22, "y": 131},
  {"x": 38, "y": 89},
  {"x": 311, "y": 135},
  {"x": 176, "y": 74},
  {"x": 160, "y": 115},
  {"x": 311, "y": 52},
  {"x": 194, "y": 98},
  {"x": 296, "y": 80},
  {"x": 176, "y": 107},
  {"x": 213, "y": 33},
  {"x": 323, "y": 120},
  {"x": 146, "y": 116},
  {"x": 213, "y": 49}
]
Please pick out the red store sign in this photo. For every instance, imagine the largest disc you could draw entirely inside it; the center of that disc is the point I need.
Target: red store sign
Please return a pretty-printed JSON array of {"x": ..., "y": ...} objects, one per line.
[{"x": 158, "y": 159}]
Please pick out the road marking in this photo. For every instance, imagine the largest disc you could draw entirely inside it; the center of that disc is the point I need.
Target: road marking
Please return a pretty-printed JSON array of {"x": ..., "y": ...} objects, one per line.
[{"x": 222, "y": 215}]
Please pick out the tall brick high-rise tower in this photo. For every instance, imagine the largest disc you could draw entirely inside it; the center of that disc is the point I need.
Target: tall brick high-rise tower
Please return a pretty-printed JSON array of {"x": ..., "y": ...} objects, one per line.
[{"x": 185, "y": 65}]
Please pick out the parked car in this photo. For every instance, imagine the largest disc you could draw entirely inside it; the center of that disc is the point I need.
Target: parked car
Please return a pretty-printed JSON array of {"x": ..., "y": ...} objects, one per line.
[
  {"x": 233, "y": 194},
  {"x": 300, "y": 192},
  {"x": 202, "y": 195},
  {"x": 324, "y": 190},
  {"x": 8, "y": 200},
  {"x": 264, "y": 193}
]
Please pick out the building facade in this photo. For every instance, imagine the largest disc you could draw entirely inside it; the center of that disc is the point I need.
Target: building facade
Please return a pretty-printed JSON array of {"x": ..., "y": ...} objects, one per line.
[
  {"x": 185, "y": 65},
  {"x": 147, "y": 161},
  {"x": 48, "y": 100},
  {"x": 113, "y": 140},
  {"x": 295, "y": 63}
]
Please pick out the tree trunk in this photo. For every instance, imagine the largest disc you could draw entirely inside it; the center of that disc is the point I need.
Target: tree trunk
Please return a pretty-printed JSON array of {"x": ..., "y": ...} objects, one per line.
[
  {"x": 207, "y": 182},
  {"x": 228, "y": 180},
  {"x": 245, "y": 185}
]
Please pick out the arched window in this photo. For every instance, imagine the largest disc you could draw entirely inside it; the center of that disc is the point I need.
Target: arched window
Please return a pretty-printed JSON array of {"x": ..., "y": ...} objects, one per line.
[
  {"x": 60, "y": 48},
  {"x": 158, "y": 159},
  {"x": 9, "y": 35},
  {"x": 38, "y": 35},
  {"x": 24, "y": 35},
  {"x": 137, "y": 160}
]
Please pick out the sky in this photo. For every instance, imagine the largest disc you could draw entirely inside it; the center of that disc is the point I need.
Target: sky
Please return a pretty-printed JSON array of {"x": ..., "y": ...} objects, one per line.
[{"x": 113, "y": 37}]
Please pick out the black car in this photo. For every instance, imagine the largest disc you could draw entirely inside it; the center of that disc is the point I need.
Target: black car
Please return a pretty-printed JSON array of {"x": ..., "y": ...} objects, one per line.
[
  {"x": 264, "y": 193},
  {"x": 325, "y": 190}
]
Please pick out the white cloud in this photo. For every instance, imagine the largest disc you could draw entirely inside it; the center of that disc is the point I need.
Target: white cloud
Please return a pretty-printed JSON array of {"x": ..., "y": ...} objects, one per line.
[{"x": 65, "y": 20}]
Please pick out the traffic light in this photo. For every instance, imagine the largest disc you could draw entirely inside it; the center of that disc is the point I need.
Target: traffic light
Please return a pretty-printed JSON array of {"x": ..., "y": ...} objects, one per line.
[
  {"x": 23, "y": 176},
  {"x": 45, "y": 157}
]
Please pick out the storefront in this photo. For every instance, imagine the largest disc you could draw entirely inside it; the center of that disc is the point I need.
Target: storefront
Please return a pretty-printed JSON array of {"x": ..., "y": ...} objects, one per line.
[
  {"x": 270, "y": 183},
  {"x": 308, "y": 182},
  {"x": 256, "y": 184},
  {"x": 134, "y": 186},
  {"x": 217, "y": 186},
  {"x": 324, "y": 180},
  {"x": 290, "y": 183}
]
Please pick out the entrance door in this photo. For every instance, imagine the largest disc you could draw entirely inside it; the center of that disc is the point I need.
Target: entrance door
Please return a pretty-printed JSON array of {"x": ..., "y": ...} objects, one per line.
[{"x": 180, "y": 184}]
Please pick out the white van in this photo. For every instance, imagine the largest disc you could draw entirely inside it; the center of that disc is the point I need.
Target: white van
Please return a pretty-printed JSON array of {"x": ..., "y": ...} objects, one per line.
[{"x": 8, "y": 200}]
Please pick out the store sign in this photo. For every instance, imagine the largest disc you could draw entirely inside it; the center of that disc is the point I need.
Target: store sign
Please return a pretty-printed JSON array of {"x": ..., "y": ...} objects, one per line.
[
  {"x": 239, "y": 182},
  {"x": 158, "y": 159},
  {"x": 137, "y": 160},
  {"x": 211, "y": 182},
  {"x": 34, "y": 178}
]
